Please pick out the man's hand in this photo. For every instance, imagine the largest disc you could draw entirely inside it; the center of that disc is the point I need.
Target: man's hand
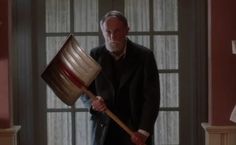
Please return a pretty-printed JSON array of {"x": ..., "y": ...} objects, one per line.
[
  {"x": 98, "y": 104},
  {"x": 138, "y": 138}
]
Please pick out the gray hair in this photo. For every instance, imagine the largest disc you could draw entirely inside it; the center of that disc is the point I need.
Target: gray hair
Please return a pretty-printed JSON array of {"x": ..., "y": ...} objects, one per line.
[{"x": 115, "y": 14}]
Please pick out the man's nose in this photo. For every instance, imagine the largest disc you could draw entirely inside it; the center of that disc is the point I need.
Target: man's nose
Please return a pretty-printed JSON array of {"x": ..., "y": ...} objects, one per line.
[{"x": 113, "y": 36}]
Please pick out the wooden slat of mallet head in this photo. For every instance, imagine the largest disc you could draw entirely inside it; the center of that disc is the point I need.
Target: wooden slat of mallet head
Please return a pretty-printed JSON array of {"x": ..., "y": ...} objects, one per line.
[{"x": 69, "y": 74}]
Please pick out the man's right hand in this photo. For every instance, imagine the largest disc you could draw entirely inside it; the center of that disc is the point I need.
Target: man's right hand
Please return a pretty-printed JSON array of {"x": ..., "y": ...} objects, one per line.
[{"x": 98, "y": 104}]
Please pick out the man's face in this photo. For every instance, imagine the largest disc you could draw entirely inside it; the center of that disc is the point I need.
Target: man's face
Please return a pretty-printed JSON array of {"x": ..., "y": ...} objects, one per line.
[{"x": 114, "y": 32}]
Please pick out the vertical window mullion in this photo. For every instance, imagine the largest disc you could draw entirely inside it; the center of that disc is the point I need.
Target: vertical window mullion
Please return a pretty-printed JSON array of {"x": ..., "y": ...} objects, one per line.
[
  {"x": 72, "y": 16},
  {"x": 73, "y": 117},
  {"x": 73, "y": 128}
]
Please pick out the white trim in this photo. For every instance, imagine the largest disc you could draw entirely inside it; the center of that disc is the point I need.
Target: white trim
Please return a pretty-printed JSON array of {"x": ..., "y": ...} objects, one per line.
[
  {"x": 8, "y": 136},
  {"x": 219, "y": 135}
]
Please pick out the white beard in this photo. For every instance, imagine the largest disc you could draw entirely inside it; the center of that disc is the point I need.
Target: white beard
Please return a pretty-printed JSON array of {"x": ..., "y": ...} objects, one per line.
[{"x": 115, "y": 47}]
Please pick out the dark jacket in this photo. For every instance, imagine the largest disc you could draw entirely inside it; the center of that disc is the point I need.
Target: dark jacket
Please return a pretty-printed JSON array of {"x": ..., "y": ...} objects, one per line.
[{"x": 139, "y": 84}]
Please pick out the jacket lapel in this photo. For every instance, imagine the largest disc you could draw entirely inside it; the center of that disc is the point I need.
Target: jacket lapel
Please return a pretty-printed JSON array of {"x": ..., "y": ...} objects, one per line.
[
  {"x": 129, "y": 66},
  {"x": 106, "y": 64}
]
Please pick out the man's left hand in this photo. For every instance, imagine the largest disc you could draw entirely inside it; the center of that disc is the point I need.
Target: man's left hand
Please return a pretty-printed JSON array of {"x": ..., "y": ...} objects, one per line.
[{"x": 138, "y": 138}]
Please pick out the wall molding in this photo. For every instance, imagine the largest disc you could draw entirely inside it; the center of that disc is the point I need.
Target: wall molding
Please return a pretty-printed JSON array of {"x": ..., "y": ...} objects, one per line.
[
  {"x": 9, "y": 136},
  {"x": 219, "y": 135}
]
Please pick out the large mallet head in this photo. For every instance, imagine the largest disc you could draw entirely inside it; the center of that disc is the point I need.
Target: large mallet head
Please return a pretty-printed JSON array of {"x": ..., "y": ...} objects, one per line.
[{"x": 70, "y": 70}]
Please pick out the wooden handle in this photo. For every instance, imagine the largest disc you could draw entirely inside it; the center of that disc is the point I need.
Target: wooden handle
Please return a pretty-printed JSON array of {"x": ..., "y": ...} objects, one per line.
[
  {"x": 109, "y": 113},
  {"x": 119, "y": 122}
]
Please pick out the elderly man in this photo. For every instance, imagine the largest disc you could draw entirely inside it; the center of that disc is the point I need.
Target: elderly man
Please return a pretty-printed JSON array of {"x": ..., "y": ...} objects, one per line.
[{"x": 128, "y": 85}]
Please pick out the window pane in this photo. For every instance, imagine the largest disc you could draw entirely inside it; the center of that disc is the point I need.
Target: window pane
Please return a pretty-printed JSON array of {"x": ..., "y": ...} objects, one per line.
[
  {"x": 165, "y": 14},
  {"x": 86, "y": 15},
  {"x": 53, "y": 101},
  {"x": 166, "y": 51},
  {"x": 87, "y": 42},
  {"x": 169, "y": 84},
  {"x": 57, "y": 15},
  {"x": 137, "y": 13},
  {"x": 53, "y": 44},
  {"x": 167, "y": 128},
  {"x": 142, "y": 40},
  {"x": 59, "y": 128},
  {"x": 83, "y": 128}
]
